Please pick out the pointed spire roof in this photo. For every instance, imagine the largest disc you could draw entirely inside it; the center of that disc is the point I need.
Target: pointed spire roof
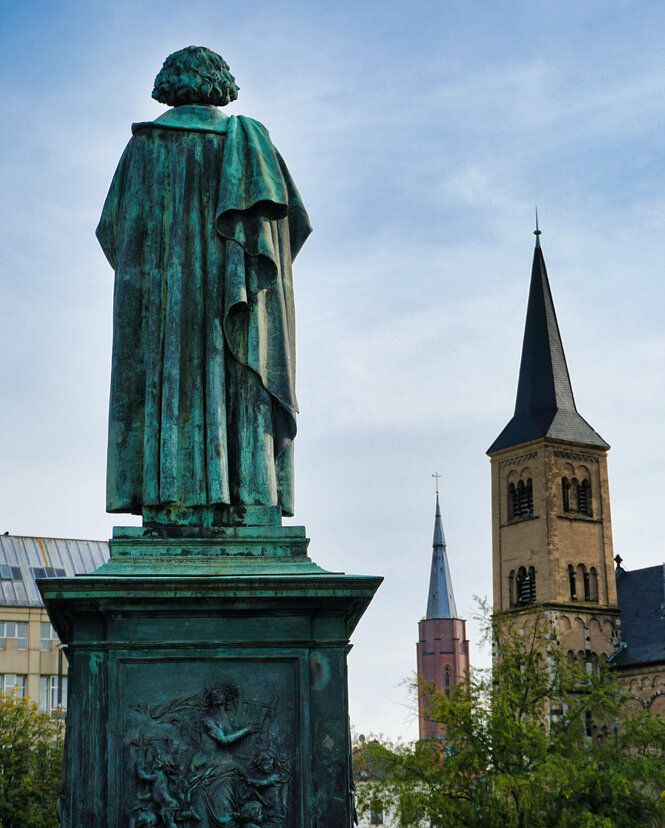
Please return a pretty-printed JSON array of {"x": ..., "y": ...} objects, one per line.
[
  {"x": 440, "y": 601},
  {"x": 545, "y": 406}
]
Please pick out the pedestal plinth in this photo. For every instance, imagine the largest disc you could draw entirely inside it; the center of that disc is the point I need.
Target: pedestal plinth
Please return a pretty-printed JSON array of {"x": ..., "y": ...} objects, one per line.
[{"x": 207, "y": 683}]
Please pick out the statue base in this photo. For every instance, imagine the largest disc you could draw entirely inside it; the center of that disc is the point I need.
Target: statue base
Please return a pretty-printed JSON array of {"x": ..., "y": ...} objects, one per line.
[{"x": 207, "y": 682}]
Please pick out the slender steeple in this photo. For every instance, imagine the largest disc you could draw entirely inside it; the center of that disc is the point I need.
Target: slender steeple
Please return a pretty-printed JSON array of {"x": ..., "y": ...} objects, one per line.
[
  {"x": 545, "y": 406},
  {"x": 440, "y": 601}
]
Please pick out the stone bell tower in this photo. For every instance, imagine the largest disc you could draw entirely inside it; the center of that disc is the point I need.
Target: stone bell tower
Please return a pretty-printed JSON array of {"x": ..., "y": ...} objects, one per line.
[{"x": 551, "y": 526}]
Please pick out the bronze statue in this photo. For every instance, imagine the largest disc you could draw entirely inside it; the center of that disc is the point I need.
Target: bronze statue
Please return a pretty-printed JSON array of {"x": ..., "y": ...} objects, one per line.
[{"x": 201, "y": 225}]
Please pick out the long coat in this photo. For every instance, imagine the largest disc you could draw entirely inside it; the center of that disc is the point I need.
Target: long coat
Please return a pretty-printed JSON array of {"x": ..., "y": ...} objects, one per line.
[{"x": 201, "y": 225}]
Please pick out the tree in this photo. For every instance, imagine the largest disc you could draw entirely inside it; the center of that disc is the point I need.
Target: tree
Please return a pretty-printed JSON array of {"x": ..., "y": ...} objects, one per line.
[
  {"x": 534, "y": 742},
  {"x": 30, "y": 764}
]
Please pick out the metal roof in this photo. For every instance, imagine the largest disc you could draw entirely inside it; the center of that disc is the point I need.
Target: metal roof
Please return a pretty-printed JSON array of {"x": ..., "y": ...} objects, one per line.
[
  {"x": 440, "y": 600},
  {"x": 23, "y": 559},
  {"x": 545, "y": 406},
  {"x": 641, "y": 598}
]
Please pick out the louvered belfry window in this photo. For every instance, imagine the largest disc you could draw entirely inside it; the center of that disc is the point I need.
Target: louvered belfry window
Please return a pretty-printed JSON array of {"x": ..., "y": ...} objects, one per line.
[
  {"x": 584, "y": 498},
  {"x": 520, "y": 500},
  {"x": 576, "y": 496},
  {"x": 526, "y": 586}
]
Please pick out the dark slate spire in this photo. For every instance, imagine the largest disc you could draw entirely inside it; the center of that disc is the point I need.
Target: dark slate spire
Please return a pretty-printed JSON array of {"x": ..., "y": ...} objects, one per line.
[
  {"x": 440, "y": 601},
  {"x": 545, "y": 405}
]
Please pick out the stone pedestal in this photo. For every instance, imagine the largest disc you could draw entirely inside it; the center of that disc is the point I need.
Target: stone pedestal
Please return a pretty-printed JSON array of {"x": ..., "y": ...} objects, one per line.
[{"x": 207, "y": 682}]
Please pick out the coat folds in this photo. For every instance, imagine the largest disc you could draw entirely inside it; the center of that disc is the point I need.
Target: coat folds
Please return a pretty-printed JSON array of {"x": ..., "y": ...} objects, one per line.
[{"x": 201, "y": 225}]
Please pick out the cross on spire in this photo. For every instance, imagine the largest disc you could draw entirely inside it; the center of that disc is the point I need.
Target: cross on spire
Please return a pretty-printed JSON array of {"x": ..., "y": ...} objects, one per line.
[{"x": 437, "y": 476}]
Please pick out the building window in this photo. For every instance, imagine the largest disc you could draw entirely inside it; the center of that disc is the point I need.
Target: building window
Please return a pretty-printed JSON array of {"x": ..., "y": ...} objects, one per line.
[
  {"x": 520, "y": 500},
  {"x": 583, "y": 582},
  {"x": 10, "y": 573},
  {"x": 511, "y": 588},
  {"x": 446, "y": 681},
  {"x": 14, "y": 629},
  {"x": 587, "y": 586},
  {"x": 46, "y": 637},
  {"x": 576, "y": 496},
  {"x": 565, "y": 493},
  {"x": 13, "y": 685},
  {"x": 48, "y": 572},
  {"x": 593, "y": 584},
  {"x": 52, "y": 694},
  {"x": 571, "y": 582},
  {"x": 526, "y": 586},
  {"x": 376, "y": 812},
  {"x": 584, "y": 498}
]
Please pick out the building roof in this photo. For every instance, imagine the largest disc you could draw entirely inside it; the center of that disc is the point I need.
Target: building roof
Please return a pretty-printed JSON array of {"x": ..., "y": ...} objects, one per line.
[
  {"x": 545, "y": 406},
  {"x": 440, "y": 600},
  {"x": 23, "y": 559},
  {"x": 641, "y": 598}
]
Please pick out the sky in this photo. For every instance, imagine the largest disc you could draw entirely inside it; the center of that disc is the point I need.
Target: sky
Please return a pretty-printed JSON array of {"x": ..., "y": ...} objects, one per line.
[{"x": 421, "y": 137}]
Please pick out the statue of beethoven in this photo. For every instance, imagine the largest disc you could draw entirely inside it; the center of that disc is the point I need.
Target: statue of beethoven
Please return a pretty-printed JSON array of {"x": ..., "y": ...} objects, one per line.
[{"x": 201, "y": 225}]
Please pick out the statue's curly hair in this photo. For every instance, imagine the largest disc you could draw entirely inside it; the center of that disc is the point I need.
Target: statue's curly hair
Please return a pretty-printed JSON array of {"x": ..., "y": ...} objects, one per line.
[{"x": 195, "y": 75}]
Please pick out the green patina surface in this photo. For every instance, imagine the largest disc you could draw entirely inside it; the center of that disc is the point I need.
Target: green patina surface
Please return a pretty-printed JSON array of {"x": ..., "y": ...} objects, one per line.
[
  {"x": 150, "y": 653},
  {"x": 201, "y": 225},
  {"x": 207, "y": 657}
]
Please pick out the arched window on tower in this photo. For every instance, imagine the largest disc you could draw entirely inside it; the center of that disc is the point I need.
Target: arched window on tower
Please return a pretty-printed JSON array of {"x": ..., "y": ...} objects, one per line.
[
  {"x": 446, "y": 681},
  {"x": 582, "y": 582},
  {"x": 520, "y": 500},
  {"x": 584, "y": 498},
  {"x": 512, "y": 500},
  {"x": 511, "y": 588},
  {"x": 593, "y": 584},
  {"x": 565, "y": 493},
  {"x": 587, "y": 585},
  {"x": 526, "y": 586},
  {"x": 532, "y": 585},
  {"x": 571, "y": 582},
  {"x": 521, "y": 578},
  {"x": 572, "y": 495}
]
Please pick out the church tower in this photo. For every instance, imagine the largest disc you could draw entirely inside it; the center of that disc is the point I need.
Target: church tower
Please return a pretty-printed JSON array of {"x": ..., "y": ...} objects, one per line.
[
  {"x": 442, "y": 649},
  {"x": 551, "y": 526}
]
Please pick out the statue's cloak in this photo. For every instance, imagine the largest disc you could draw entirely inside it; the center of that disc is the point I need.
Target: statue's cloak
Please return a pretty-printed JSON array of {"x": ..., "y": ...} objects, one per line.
[{"x": 201, "y": 225}]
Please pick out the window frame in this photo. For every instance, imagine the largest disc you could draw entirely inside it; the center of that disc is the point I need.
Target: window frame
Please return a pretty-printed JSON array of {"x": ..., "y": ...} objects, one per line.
[
  {"x": 48, "y": 694},
  {"x": 19, "y": 683}
]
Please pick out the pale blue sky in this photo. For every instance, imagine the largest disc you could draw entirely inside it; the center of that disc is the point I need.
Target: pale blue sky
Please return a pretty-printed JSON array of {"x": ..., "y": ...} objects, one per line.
[{"x": 421, "y": 135}]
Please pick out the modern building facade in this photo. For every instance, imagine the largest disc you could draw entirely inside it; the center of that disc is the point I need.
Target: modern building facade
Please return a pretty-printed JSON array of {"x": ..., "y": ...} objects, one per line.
[
  {"x": 442, "y": 649},
  {"x": 31, "y": 661}
]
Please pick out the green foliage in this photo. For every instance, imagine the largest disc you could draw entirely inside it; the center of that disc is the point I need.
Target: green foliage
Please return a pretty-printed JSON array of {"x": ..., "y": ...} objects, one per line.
[
  {"x": 30, "y": 765},
  {"x": 535, "y": 742}
]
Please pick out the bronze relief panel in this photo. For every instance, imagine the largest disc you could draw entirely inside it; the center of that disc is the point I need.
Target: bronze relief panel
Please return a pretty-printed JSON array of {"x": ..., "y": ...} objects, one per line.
[{"x": 210, "y": 744}]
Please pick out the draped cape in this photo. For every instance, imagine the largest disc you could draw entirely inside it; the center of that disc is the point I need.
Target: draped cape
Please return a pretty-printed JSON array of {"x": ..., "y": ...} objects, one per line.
[{"x": 201, "y": 225}]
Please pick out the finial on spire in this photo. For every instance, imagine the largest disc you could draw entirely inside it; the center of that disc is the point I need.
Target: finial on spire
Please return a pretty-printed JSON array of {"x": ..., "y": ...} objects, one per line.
[
  {"x": 537, "y": 232},
  {"x": 437, "y": 476}
]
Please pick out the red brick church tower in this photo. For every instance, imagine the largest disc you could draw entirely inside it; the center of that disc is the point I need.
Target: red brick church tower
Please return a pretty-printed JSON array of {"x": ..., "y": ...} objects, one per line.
[{"x": 442, "y": 648}]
